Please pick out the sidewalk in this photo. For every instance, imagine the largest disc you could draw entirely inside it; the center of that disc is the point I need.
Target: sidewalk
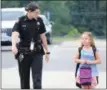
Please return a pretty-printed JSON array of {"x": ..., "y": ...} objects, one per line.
[{"x": 51, "y": 79}]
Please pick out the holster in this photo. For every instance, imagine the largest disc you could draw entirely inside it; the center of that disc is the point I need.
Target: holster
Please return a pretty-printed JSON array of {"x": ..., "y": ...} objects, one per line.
[{"x": 26, "y": 50}]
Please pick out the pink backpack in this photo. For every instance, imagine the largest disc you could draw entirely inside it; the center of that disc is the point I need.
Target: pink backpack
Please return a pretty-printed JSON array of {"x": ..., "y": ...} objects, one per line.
[{"x": 85, "y": 75}]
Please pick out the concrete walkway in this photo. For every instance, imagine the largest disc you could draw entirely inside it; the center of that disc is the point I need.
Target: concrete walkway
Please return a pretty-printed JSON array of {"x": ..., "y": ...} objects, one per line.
[{"x": 51, "y": 79}]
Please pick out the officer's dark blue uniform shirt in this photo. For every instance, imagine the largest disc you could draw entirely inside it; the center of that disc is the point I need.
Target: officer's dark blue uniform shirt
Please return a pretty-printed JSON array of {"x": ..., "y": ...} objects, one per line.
[{"x": 28, "y": 29}]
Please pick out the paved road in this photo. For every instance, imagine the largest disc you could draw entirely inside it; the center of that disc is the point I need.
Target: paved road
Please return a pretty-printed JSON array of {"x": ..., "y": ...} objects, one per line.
[
  {"x": 61, "y": 58},
  {"x": 58, "y": 73}
]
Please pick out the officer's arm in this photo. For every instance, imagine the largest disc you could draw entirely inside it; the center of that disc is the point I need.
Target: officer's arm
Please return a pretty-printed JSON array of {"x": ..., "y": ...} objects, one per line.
[
  {"x": 44, "y": 41},
  {"x": 43, "y": 36},
  {"x": 15, "y": 34},
  {"x": 15, "y": 37}
]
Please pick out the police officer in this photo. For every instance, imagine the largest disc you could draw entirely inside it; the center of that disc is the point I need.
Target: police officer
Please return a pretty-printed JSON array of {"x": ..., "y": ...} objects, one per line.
[{"x": 29, "y": 51}]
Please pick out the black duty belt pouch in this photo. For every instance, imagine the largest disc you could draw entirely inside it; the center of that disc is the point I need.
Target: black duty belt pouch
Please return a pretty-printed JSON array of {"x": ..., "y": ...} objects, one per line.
[{"x": 26, "y": 50}]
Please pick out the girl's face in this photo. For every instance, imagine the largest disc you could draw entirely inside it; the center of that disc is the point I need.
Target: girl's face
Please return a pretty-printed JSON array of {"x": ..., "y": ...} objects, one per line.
[{"x": 85, "y": 40}]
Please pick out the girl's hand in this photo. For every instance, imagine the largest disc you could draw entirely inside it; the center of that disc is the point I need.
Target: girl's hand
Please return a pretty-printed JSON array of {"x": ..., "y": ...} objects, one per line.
[
  {"x": 83, "y": 62},
  {"x": 89, "y": 62}
]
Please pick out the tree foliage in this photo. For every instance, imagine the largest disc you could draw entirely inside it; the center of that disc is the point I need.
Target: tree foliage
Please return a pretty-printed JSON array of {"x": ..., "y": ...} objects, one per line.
[{"x": 83, "y": 15}]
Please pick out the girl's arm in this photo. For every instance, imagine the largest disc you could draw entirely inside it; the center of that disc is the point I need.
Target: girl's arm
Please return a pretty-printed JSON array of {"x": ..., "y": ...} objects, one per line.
[
  {"x": 98, "y": 58},
  {"x": 97, "y": 61},
  {"x": 77, "y": 60}
]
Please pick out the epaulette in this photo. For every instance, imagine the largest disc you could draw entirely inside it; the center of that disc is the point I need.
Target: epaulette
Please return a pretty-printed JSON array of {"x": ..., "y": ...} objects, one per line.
[{"x": 23, "y": 18}]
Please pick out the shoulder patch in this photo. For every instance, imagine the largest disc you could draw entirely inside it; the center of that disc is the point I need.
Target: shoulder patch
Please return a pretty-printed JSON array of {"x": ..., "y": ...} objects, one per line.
[{"x": 22, "y": 18}]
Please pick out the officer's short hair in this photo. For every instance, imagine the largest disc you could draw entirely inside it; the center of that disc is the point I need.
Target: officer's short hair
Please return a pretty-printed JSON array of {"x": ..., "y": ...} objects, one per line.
[{"x": 32, "y": 6}]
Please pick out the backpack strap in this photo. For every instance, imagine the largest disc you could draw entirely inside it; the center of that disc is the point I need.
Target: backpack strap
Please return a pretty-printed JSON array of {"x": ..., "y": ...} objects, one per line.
[
  {"x": 77, "y": 66},
  {"x": 94, "y": 51},
  {"x": 79, "y": 50}
]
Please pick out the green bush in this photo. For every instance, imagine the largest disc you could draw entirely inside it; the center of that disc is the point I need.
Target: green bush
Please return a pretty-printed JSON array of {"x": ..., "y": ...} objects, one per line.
[
  {"x": 60, "y": 29},
  {"x": 74, "y": 33}
]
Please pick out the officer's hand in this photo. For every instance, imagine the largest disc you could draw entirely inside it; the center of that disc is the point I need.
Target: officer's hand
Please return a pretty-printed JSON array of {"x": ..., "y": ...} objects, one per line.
[
  {"x": 47, "y": 56},
  {"x": 14, "y": 50}
]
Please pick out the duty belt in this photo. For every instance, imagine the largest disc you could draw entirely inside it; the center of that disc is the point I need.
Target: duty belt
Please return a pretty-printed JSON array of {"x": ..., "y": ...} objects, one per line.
[{"x": 26, "y": 50}]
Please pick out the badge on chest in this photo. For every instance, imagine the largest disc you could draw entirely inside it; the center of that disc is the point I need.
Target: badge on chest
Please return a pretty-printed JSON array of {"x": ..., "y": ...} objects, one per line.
[{"x": 38, "y": 25}]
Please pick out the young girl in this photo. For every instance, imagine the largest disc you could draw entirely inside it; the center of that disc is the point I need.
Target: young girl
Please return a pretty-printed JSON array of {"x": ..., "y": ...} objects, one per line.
[{"x": 88, "y": 59}]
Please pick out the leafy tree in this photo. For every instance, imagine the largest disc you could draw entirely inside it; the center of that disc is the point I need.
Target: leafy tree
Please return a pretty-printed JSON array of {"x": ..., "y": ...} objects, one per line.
[{"x": 83, "y": 15}]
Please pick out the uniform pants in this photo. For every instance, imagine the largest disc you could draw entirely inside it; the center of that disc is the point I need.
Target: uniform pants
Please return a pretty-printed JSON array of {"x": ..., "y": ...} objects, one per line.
[{"x": 35, "y": 63}]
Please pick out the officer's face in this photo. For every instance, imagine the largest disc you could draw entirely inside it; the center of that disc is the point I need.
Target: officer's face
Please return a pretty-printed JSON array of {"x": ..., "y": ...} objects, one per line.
[{"x": 36, "y": 13}]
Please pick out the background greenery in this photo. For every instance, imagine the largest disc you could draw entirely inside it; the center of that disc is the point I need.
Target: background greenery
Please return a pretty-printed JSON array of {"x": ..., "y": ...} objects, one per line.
[{"x": 71, "y": 18}]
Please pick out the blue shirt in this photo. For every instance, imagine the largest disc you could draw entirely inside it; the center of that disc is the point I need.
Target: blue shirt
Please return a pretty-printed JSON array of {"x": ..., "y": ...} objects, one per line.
[{"x": 88, "y": 55}]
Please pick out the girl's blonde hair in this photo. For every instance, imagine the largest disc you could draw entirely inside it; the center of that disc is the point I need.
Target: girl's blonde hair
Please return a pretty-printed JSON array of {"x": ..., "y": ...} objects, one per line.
[{"x": 91, "y": 39}]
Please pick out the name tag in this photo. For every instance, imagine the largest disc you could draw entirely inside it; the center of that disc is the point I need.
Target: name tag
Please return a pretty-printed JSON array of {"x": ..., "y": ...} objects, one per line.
[{"x": 32, "y": 46}]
